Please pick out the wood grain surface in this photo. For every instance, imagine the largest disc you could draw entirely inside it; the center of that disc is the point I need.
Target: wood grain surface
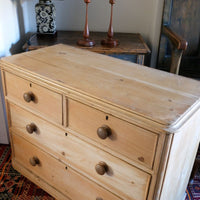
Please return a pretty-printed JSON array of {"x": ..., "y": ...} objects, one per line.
[
  {"x": 153, "y": 94},
  {"x": 130, "y": 43},
  {"x": 152, "y": 118},
  {"x": 122, "y": 178},
  {"x": 51, "y": 171}
]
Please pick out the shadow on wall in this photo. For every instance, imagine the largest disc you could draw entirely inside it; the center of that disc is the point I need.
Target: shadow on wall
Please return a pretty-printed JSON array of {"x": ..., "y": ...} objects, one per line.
[
  {"x": 12, "y": 26},
  {"x": 17, "y": 47}
]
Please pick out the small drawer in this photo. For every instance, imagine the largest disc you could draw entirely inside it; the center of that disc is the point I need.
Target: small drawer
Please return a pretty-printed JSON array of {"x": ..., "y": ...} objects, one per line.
[
  {"x": 120, "y": 136},
  {"x": 108, "y": 171},
  {"x": 56, "y": 174},
  {"x": 39, "y": 99}
]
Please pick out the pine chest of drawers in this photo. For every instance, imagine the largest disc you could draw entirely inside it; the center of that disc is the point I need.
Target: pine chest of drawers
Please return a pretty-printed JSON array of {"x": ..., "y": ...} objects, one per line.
[{"x": 87, "y": 126}]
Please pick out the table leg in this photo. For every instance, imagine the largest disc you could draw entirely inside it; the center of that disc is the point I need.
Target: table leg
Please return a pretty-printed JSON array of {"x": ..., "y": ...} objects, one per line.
[{"x": 140, "y": 59}]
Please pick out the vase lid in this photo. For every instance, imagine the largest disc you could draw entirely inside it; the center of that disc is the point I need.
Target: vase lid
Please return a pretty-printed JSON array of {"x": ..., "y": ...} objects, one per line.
[{"x": 45, "y": 1}]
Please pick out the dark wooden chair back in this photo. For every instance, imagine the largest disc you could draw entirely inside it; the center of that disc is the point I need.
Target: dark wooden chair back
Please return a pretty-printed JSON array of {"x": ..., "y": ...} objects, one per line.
[
  {"x": 178, "y": 46},
  {"x": 182, "y": 17}
]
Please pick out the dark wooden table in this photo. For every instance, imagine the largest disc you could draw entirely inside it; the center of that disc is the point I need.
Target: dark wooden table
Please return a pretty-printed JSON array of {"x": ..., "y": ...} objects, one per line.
[{"x": 132, "y": 46}]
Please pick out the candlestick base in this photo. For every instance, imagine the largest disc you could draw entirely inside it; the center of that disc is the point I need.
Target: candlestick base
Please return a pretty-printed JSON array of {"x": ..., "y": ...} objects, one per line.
[
  {"x": 86, "y": 42},
  {"x": 109, "y": 42}
]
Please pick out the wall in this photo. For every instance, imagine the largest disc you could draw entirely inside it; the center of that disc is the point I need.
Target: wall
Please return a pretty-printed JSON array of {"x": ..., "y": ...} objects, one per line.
[
  {"x": 4, "y": 139},
  {"x": 142, "y": 16},
  {"x": 155, "y": 30},
  {"x": 12, "y": 37},
  {"x": 8, "y": 24},
  {"x": 12, "y": 27}
]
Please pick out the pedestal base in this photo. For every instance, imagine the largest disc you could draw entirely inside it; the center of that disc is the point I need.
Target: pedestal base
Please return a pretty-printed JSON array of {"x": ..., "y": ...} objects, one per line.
[
  {"x": 86, "y": 42},
  {"x": 110, "y": 42},
  {"x": 47, "y": 35}
]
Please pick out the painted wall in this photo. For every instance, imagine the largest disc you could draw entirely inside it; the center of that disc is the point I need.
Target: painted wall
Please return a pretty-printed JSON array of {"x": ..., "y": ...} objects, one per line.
[
  {"x": 8, "y": 24},
  {"x": 12, "y": 37},
  {"x": 134, "y": 16},
  {"x": 12, "y": 27},
  {"x": 4, "y": 139},
  {"x": 9, "y": 34}
]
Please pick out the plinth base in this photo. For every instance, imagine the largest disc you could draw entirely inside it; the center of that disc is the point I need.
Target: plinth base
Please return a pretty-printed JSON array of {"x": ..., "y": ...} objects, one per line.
[
  {"x": 86, "y": 42},
  {"x": 110, "y": 42},
  {"x": 47, "y": 35}
]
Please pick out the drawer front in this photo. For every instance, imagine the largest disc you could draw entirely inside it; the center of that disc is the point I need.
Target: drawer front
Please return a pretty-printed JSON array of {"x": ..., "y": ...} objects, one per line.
[
  {"x": 119, "y": 177},
  {"x": 35, "y": 97},
  {"x": 125, "y": 138},
  {"x": 58, "y": 175}
]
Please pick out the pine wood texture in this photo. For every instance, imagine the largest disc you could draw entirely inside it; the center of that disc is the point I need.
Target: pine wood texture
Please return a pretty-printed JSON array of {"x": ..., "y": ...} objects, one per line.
[
  {"x": 50, "y": 170},
  {"x": 42, "y": 97},
  {"x": 184, "y": 150},
  {"x": 152, "y": 117},
  {"x": 71, "y": 149},
  {"x": 125, "y": 138},
  {"x": 102, "y": 78}
]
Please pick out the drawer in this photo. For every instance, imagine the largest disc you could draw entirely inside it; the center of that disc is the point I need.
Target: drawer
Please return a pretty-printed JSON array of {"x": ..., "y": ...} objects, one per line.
[
  {"x": 119, "y": 177},
  {"x": 131, "y": 141},
  {"x": 58, "y": 175},
  {"x": 39, "y": 99}
]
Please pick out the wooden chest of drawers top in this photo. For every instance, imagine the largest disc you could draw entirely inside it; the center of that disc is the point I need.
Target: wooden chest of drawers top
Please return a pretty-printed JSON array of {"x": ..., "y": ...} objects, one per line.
[
  {"x": 132, "y": 90},
  {"x": 116, "y": 127}
]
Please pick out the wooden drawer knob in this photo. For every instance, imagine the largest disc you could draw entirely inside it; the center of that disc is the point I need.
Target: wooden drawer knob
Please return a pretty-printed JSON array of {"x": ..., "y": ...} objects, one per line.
[
  {"x": 99, "y": 198},
  {"x": 101, "y": 168},
  {"x": 34, "y": 161},
  {"x": 31, "y": 128},
  {"x": 103, "y": 132},
  {"x": 28, "y": 96}
]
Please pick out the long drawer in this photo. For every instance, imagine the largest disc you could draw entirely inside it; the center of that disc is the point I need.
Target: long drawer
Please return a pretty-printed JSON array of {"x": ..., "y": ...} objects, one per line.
[
  {"x": 57, "y": 174},
  {"x": 35, "y": 97},
  {"x": 119, "y": 177},
  {"x": 122, "y": 137}
]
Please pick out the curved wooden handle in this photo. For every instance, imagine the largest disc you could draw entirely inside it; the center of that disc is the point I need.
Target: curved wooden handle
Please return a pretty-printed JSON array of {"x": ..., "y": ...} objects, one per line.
[
  {"x": 28, "y": 96},
  {"x": 101, "y": 168},
  {"x": 34, "y": 161},
  {"x": 30, "y": 128},
  {"x": 103, "y": 132},
  {"x": 178, "y": 42}
]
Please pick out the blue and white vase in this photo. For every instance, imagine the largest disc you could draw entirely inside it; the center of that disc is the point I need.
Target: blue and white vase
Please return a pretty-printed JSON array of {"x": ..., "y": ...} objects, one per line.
[{"x": 45, "y": 17}]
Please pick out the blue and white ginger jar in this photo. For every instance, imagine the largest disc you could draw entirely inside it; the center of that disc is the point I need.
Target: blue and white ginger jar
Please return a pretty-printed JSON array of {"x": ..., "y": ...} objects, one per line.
[{"x": 45, "y": 17}]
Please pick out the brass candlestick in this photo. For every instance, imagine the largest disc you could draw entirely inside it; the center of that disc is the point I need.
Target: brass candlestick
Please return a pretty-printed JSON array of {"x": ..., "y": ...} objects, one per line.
[
  {"x": 86, "y": 41},
  {"x": 110, "y": 42}
]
